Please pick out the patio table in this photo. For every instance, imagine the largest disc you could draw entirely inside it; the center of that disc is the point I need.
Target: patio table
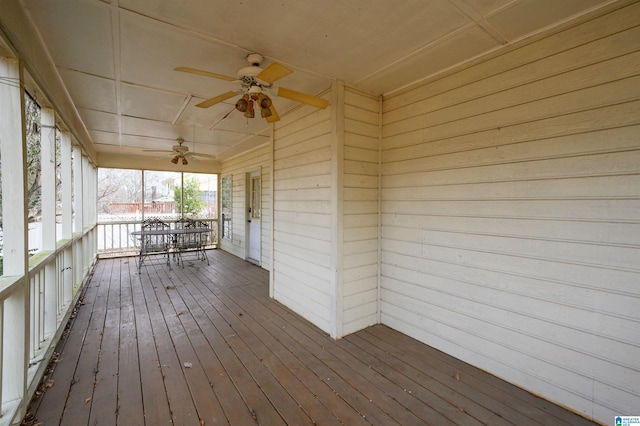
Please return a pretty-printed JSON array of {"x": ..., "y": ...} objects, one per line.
[{"x": 173, "y": 233}]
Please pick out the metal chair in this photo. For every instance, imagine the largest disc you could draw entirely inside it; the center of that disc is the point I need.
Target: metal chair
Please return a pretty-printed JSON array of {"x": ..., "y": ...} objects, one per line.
[
  {"x": 179, "y": 244},
  {"x": 202, "y": 238},
  {"x": 191, "y": 241},
  {"x": 154, "y": 239}
]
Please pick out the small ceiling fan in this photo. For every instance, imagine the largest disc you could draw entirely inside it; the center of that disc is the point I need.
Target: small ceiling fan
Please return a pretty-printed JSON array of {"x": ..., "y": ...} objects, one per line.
[
  {"x": 181, "y": 153},
  {"x": 255, "y": 81}
]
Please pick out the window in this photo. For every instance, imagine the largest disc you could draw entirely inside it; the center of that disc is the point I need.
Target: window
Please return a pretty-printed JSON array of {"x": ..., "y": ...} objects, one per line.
[
  {"x": 168, "y": 195},
  {"x": 200, "y": 195},
  {"x": 119, "y": 195},
  {"x": 226, "y": 209},
  {"x": 162, "y": 194}
]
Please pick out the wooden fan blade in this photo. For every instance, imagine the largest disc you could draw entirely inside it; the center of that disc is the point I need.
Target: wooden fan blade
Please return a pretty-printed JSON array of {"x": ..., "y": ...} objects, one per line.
[
  {"x": 206, "y": 73},
  {"x": 303, "y": 97},
  {"x": 216, "y": 99},
  {"x": 274, "y": 115},
  {"x": 273, "y": 72}
]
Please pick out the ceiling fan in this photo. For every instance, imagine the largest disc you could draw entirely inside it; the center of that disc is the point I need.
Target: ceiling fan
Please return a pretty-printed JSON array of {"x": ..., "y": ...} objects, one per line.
[
  {"x": 255, "y": 81},
  {"x": 181, "y": 153}
]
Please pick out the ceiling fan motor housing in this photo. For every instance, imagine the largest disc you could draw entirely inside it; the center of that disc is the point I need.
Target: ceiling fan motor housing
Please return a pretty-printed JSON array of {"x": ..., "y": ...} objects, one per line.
[
  {"x": 248, "y": 74},
  {"x": 180, "y": 149},
  {"x": 255, "y": 59}
]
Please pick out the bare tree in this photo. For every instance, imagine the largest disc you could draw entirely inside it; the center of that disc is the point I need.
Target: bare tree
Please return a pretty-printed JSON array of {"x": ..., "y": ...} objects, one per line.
[
  {"x": 117, "y": 185},
  {"x": 34, "y": 161}
]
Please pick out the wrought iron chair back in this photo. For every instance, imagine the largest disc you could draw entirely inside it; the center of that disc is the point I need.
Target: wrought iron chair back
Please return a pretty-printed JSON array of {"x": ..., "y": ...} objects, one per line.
[
  {"x": 202, "y": 239},
  {"x": 154, "y": 243},
  {"x": 192, "y": 241}
]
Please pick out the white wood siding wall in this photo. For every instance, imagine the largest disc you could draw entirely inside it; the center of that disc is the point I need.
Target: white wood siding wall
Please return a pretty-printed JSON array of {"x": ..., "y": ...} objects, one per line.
[
  {"x": 303, "y": 213},
  {"x": 360, "y": 211},
  {"x": 511, "y": 215},
  {"x": 238, "y": 167}
]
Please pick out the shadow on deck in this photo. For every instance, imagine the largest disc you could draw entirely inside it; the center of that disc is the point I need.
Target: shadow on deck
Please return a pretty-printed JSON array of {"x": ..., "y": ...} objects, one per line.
[{"x": 205, "y": 345}]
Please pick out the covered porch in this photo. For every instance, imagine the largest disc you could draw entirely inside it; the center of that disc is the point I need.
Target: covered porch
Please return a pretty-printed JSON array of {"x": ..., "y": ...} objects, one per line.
[
  {"x": 205, "y": 345},
  {"x": 470, "y": 180}
]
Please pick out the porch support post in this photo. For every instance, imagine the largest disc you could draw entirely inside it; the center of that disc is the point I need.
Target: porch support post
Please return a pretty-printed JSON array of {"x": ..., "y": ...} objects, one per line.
[
  {"x": 65, "y": 261},
  {"x": 337, "y": 219},
  {"x": 49, "y": 232},
  {"x": 15, "y": 339},
  {"x": 78, "y": 204},
  {"x": 48, "y": 181}
]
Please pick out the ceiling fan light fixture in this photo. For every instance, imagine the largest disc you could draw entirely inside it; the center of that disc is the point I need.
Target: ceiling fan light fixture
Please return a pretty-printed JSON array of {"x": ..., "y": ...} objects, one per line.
[
  {"x": 255, "y": 92},
  {"x": 175, "y": 159},
  {"x": 255, "y": 80},
  {"x": 265, "y": 102},
  {"x": 184, "y": 161},
  {"x": 250, "y": 113},
  {"x": 243, "y": 104},
  {"x": 266, "y": 112}
]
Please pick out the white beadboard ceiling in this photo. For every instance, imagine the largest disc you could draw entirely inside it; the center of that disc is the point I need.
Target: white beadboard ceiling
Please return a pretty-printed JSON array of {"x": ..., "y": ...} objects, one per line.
[{"x": 117, "y": 58}]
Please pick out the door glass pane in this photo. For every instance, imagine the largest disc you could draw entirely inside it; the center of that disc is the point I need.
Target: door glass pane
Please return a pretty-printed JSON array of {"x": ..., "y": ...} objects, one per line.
[{"x": 255, "y": 197}]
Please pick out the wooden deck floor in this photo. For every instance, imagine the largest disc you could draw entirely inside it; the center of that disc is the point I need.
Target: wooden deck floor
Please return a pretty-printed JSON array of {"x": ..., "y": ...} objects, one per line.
[{"x": 205, "y": 345}]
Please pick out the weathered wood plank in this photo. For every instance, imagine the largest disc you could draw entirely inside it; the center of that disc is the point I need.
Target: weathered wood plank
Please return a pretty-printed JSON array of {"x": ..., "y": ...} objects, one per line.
[
  {"x": 198, "y": 327},
  {"x": 50, "y": 406},
  {"x": 254, "y": 336},
  {"x": 365, "y": 399},
  {"x": 181, "y": 327},
  {"x": 183, "y": 410},
  {"x": 154, "y": 396},
  {"x": 104, "y": 403},
  {"x": 130, "y": 404},
  {"x": 78, "y": 407}
]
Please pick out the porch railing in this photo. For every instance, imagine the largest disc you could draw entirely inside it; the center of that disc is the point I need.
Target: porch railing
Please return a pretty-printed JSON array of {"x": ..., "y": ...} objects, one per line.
[
  {"x": 114, "y": 237},
  {"x": 44, "y": 298}
]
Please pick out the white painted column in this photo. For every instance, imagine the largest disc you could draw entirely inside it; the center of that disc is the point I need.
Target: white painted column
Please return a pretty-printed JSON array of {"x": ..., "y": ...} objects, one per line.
[
  {"x": 78, "y": 204},
  {"x": 49, "y": 296},
  {"x": 86, "y": 185},
  {"x": 90, "y": 185},
  {"x": 12, "y": 146},
  {"x": 14, "y": 212},
  {"x": 48, "y": 180},
  {"x": 272, "y": 238},
  {"x": 337, "y": 204},
  {"x": 65, "y": 263}
]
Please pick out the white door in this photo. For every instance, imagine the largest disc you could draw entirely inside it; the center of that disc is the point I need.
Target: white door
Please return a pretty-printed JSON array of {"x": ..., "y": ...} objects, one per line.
[{"x": 254, "y": 216}]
